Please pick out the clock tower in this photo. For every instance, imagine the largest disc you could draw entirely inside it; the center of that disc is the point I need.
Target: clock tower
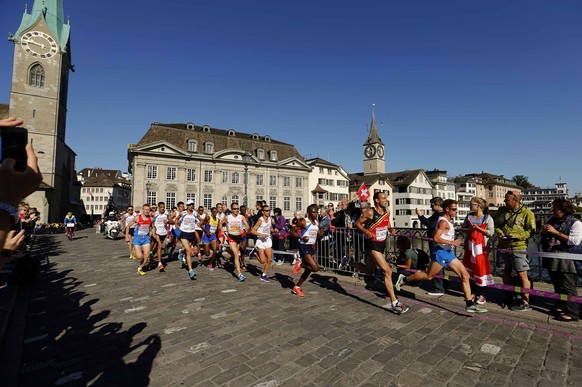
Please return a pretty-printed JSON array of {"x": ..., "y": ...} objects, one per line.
[
  {"x": 374, "y": 151},
  {"x": 38, "y": 96}
]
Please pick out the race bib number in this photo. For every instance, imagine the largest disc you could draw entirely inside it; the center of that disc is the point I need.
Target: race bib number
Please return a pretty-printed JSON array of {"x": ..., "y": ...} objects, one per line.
[
  {"x": 381, "y": 233},
  {"x": 143, "y": 229},
  {"x": 70, "y": 224}
]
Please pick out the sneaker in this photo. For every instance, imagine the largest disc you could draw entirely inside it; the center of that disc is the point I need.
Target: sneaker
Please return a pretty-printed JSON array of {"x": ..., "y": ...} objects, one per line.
[
  {"x": 209, "y": 268},
  {"x": 264, "y": 278},
  {"x": 180, "y": 255},
  {"x": 399, "y": 282},
  {"x": 241, "y": 277},
  {"x": 132, "y": 256},
  {"x": 192, "y": 274},
  {"x": 297, "y": 290},
  {"x": 475, "y": 309},
  {"x": 279, "y": 262},
  {"x": 481, "y": 300},
  {"x": 243, "y": 268},
  {"x": 435, "y": 293},
  {"x": 199, "y": 257},
  {"x": 297, "y": 268},
  {"x": 400, "y": 308},
  {"x": 161, "y": 267},
  {"x": 140, "y": 271},
  {"x": 522, "y": 307}
]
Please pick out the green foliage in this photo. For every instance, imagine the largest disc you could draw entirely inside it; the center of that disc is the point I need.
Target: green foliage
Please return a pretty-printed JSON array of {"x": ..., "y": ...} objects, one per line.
[{"x": 522, "y": 181}]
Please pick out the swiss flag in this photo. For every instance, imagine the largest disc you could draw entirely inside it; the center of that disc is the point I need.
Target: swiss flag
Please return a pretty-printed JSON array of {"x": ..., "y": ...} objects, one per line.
[{"x": 363, "y": 193}]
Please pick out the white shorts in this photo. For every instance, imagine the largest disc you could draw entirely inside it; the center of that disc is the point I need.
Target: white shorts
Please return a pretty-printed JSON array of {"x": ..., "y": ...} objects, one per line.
[{"x": 264, "y": 243}]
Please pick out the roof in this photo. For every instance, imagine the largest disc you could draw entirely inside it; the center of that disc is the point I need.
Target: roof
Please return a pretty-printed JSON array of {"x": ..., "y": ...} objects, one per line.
[
  {"x": 105, "y": 181},
  {"x": 88, "y": 172},
  {"x": 179, "y": 135},
  {"x": 373, "y": 137},
  {"x": 356, "y": 179},
  {"x": 489, "y": 178},
  {"x": 4, "y": 108},
  {"x": 403, "y": 178},
  {"x": 319, "y": 189},
  {"x": 321, "y": 162},
  {"x": 52, "y": 12}
]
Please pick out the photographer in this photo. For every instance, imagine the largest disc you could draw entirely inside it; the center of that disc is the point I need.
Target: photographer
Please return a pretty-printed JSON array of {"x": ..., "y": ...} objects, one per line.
[{"x": 16, "y": 185}]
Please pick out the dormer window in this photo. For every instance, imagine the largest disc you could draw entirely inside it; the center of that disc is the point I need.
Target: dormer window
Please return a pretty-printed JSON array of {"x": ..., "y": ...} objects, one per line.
[
  {"x": 231, "y": 133},
  {"x": 273, "y": 155},
  {"x": 190, "y": 126},
  {"x": 192, "y": 146},
  {"x": 208, "y": 147},
  {"x": 255, "y": 136},
  {"x": 267, "y": 138},
  {"x": 261, "y": 154},
  {"x": 206, "y": 129}
]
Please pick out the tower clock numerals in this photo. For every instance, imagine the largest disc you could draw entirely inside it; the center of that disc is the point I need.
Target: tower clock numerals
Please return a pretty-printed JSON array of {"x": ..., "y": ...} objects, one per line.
[
  {"x": 38, "y": 44},
  {"x": 370, "y": 151},
  {"x": 380, "y": 151}
]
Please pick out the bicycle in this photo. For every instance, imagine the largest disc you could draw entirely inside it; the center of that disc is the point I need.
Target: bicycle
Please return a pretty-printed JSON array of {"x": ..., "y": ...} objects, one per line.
[{"x": 70, "y": 230}]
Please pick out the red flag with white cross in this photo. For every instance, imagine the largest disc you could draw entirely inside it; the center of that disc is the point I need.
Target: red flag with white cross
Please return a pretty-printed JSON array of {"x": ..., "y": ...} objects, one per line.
[{"x": 363, "y": 193}]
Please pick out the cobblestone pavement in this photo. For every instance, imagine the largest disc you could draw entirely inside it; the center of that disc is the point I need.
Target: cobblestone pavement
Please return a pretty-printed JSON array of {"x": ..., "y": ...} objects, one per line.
[{"x": 92, "y": 320}]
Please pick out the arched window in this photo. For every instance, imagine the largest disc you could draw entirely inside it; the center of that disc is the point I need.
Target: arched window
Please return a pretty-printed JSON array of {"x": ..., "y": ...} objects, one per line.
[
  {"x": 235, "y": 178},
  {"x": 192, "y": 146},
  {"x": 37, "y": 76},
  {"x": 260, "y": 154},
  {"x": 208, "y": 147}
]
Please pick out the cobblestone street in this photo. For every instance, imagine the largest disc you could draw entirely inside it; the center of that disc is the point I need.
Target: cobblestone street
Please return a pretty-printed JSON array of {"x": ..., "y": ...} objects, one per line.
[{"x": 92, "y": 320}]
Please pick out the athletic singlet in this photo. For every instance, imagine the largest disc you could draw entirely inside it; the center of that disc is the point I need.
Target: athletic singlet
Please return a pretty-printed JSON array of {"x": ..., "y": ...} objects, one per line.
[
  {"x": 129, "y": 218},
  {"x": 212, "y": 224},
  {"x": 265, "y": 227},
  {"x": 449, "y": 235},
  {"x": 200, "y": 218},
  {"x": 379, "y": 225},
  {"x": 143, "y": 225},
  {"x": 160, "y": 222},
  {"x": 188, "y": 222},
  {"x": 235, "y": 224},
  {"x": 310, "y": 231}
]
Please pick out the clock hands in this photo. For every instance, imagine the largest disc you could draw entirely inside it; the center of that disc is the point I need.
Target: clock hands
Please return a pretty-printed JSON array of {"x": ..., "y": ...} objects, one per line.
[{"x": 35, "y": 43}]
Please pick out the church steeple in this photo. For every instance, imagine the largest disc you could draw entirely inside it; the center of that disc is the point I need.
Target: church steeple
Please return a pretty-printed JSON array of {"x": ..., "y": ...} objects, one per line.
[
  {"x": 374, "y": 151},
  {"x": 52, "y": 13}
]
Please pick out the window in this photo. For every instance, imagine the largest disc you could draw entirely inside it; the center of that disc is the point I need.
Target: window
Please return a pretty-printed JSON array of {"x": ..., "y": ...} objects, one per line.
[
  {"x": 209, "y": 147},
  {"x": 286, "y": 181},
  {"x": 207, "y": 200},
  {"x": 260, "y": 179},
  {"x": 273, "y": 155},
  {"x": 37, "y": 76},
  {"x": 259, "y": 198},
  {"x": 320, "y": 169},
  {"x": 192, "y": 146},
  {"x": 272, "y": 180},
  {"x": 152, "y": 198},
  {"x": 171, "y": 173},
  {"x": 190, "y": 174},
  {"x": 170, "y": 199},
  {"x": 207, "y": 177},
  {"x": 260, "y": 154},
  {"x": 286, "y": 203},
  {"x": 273, "y": 202},
  {"x": 224, "y": 177},
  {"x": 224, "y": 199},
  {"x": 298, "y": 182},
  {"x": 100, "y": 190},
  {"x": 235, "y": 178},
  {"x": 152, "y": 171},
  {"x": 234, "y": 199},
  {"x": 298, "y": 203},
  {"x": 189, "y": 196}
]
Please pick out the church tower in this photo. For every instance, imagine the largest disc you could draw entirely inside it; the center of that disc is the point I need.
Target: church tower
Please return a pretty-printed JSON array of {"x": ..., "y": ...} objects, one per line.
[
  {"x": 374, "y": 151},
  {"x": 40, "y": 80}
]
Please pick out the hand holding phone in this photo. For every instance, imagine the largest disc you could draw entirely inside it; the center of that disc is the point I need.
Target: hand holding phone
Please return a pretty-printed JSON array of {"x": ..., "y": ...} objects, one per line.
[{"x": 14, "y": 140}]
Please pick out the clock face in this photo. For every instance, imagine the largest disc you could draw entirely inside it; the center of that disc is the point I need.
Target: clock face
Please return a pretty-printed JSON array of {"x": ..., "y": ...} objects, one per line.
[
  {"x": 380, "y": 151},
  {"x": 38, "y": 44},
  {"x": 370, "y": 151}
]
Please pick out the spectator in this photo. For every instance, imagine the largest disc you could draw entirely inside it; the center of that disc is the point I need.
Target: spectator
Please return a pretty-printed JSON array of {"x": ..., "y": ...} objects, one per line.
[
  {"x": 563, "y": 233},
  {"x": 280, "y": 234},
  {"x": 324, "y": 224},
  {"x": 293, "y": 241},
  {"x": 514, "y": 224}
]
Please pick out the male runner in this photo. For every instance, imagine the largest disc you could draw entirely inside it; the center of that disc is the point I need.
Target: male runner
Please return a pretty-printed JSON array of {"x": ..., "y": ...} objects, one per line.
[
  {"x": 187, "y": 225},
  {"x": 129, "y": 216},
  {"x": 234, "y": 223},
  {"x": 160, "y": 232},
  {"x": 262, "y": 229},
  {"x": 307, "y": 231}
]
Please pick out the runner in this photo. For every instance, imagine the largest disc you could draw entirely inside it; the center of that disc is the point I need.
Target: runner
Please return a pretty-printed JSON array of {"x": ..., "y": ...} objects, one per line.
[
  {"x": 141, "y": 236},
  {"x": 244, "y": 238},
  {"x": 262, "y": 229},
  {"x": 187, "y": 226},
  {"x": 234, "y": 223},
  {"x": 173, "y": 219},
  {"x": 199, "y": 232},
  {"x": 160, "y": 232},
  {"x": 306, "y": 230},
  {"x": 375, "y": 224},
  {"x": 444, "y": 256},
  {"x": 129, "y": 216},
  {"x": 210, "y": 225}
]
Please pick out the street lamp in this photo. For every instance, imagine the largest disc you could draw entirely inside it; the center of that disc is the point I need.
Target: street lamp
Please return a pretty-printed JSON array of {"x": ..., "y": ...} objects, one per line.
[
  {"x": 148, "y": 186},
  {"x": 246, "y": 160}
]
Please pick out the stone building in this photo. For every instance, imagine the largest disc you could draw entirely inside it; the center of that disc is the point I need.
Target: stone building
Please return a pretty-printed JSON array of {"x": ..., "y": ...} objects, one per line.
[
  {"x": 179, "y": 162},
  {"x": 328, "y": 182},
  {"x": 38, "y": 95},
  {"x": 103, "y": 190}
]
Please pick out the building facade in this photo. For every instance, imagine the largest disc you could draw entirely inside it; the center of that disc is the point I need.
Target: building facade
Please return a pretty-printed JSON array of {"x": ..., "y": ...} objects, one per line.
[
  {"x": 328, "y": 182},
  {"x": 104, "y": 190},
  {"x": 493, "y": 188},
  {"x": 179, "y": 162},
  {"x": 38, "y": 95},
  {"x": 539, "y": 200},
  {"x": 412, "y": 189}
]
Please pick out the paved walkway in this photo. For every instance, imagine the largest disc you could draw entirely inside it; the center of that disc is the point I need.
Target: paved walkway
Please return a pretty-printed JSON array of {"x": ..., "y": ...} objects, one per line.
[{"x": 92, "y": 320}]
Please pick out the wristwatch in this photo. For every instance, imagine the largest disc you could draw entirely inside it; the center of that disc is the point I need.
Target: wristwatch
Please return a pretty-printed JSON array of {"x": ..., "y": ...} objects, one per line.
[{"x": 11, "y": 210}]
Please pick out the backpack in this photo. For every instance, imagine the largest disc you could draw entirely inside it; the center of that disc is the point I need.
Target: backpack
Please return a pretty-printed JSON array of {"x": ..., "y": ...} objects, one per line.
[{"x": 423, "y": 259}]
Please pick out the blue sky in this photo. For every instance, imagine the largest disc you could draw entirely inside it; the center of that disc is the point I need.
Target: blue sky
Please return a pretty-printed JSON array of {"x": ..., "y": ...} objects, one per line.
[{"x": 464, "y": 86}]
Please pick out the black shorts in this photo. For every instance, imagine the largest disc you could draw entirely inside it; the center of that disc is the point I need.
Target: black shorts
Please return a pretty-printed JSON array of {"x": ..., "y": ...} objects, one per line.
[
  {"x": 235, "y": 239},
  {"x": 189, "y": 236},
  {"x": 306, "y": 249},
  {"x": 370, "y": 245},
  {"x": 162, "y": 237}
]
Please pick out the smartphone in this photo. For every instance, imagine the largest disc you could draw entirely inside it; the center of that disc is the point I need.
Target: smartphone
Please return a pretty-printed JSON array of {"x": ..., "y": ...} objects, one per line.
[{"x": 14, "y": 140}]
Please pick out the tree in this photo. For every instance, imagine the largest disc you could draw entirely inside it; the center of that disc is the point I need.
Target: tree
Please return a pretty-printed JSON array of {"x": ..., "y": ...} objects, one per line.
[{"x": 522, "y": 181}]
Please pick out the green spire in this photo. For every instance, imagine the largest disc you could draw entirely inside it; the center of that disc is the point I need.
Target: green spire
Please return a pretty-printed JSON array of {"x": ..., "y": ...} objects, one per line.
[{"x": 52, "y": 12}]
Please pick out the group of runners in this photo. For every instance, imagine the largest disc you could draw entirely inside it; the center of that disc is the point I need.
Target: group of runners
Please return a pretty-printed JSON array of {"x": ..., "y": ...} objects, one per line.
[{"x": 201, "y": 234}]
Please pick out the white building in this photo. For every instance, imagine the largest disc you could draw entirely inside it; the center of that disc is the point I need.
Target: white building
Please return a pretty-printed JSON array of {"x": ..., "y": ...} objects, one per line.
[
  {"x": 539, "y": 200},
  {"x": 328, "y": 182},
  {"x": 412, "y": 189},
  {"x": 103, "y": 190}
]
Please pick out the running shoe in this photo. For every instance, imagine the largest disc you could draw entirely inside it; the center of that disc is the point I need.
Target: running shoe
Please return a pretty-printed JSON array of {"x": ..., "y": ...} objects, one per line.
[
  {"x": 243, "y": 268},
  {"x": 480, "y": 300},
  {"x": 140, "y": 271},
  {"x": 132, "y": 256},
  {"x": 199, "y": 257},
  {"x": 180, "y": 255},
  {"x": 264, "y": 278},
  {"x": 209, "y": 268},
  {"x": 297, "y": 290},
  {"x": 241, "y": 277},
  {"x": 297, "y": 267},
  {"x": 475, "y": 309},
  {"x": 161, "y": 267},
  {"x": 399, "y": 282},
  {"x": 399, "y": 308},
  {"x": 192, "y": 274},
  {"x": 522, "y": 307},
  {"x": 436, "y": 293}
]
